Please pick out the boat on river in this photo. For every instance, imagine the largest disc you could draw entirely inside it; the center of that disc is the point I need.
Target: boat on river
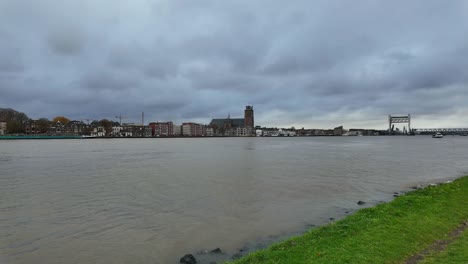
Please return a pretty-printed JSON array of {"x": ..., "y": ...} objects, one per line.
[{"x": 438, "y": 135}]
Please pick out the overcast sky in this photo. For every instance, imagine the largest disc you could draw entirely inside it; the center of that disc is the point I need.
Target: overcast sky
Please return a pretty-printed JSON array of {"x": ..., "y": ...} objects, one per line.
[{"x": 314, "y": 64}]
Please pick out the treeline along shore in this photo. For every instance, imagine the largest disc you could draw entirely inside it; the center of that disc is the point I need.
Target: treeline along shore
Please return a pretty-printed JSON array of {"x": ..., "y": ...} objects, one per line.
[{"x": 422, "y": 226}]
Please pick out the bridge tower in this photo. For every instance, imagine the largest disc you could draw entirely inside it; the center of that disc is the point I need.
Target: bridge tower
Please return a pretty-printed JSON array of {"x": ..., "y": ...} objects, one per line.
[{"x": 398, "y": 119}]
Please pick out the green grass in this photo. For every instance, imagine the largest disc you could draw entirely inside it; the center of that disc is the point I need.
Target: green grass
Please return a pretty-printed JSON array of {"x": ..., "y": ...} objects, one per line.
[
  {"x": 386, "y": 233},
  {"x": 456, "y": 253}
]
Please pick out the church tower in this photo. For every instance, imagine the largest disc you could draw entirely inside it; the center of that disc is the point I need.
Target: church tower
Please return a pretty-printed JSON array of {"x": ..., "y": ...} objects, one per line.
[{"x": 249, "y": 117}]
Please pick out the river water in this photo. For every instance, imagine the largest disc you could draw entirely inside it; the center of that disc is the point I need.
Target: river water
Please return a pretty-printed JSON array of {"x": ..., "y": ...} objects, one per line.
[{"x": 154, "y": 200}]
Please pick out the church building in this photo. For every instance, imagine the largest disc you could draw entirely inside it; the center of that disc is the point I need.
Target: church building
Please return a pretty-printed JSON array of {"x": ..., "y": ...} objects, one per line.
[{"x": 235, "y": 127}]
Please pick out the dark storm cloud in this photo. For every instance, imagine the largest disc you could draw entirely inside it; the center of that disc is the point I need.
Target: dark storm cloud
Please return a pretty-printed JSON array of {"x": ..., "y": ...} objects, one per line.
[{"x": 305, "y": 63}]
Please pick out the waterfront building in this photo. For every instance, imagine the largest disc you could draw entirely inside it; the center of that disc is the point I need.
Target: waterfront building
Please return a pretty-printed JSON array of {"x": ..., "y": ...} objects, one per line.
[
  {"x": 55, "y": 129},
  {"x": 304, "y": 132},
  {"x": 30, "y": 127},
  {"x": 98, "y": 131},
  {"x": 240, "y": 127},
  {"x": 364, "y": 132},
  {"x": 123, "y": 131},
  {"x": 72, "y": 128},
  {"x": 76, "y": 127},
  {"x": 191, "y": 129},
  {"x": 117, "y": 131},
  {"x": 226, "y": 126},
  {"x": 3, "y": 128},
  {"x": 209, "y": 132},
  {"x": 258, "y": 132},
  {"x": 324, "y": 132},
  {"x": 162, "y": 129},
  {"x": 148, "y": 131},
  {"x": 338, "y": 131},
  {"x": 288, "y": 132},
  {"x": 242, "y": 132},
  {"x": 275, "y": 132},
  {"x": 177, "y": 130},
  {"x": 136, "y": 130}
]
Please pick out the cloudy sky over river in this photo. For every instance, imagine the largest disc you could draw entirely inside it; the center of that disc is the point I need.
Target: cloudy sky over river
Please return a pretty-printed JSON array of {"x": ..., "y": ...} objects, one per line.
[{"x": 303, "y": 63}]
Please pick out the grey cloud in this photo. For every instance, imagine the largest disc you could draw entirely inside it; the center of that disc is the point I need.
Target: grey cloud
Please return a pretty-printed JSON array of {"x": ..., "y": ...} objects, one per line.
[
  {"x": 66, "y": 41},
  {"x": 400, "y": 57},
  {"x": 240, "y": 83},
  {"x": 108, "y": 80},
  {"x": 305, "y": 63},
  {"x": 10, "y": 65},
  {"x": 438, "y": 71},
  {"x": 126, "y": 57},
  {"x": 150, "y": 62},
  {"x": 10, "y": 60}
]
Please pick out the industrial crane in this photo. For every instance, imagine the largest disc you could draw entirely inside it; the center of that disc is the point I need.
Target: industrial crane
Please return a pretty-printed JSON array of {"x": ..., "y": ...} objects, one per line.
[{"x": 120, "y": 117}]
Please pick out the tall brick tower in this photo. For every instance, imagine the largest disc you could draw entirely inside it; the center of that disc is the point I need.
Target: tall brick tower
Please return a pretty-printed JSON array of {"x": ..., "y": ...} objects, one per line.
[{"x": 249, "y": 117}]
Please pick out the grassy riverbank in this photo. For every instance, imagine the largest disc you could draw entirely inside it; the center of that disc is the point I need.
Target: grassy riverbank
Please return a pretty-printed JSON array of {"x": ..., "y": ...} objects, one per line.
[{"x": 387, "y": 233}]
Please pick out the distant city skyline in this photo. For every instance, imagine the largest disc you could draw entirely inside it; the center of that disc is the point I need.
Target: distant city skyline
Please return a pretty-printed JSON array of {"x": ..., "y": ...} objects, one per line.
[
  {"x": 347, "y": 124},
  {"x": 313, "y": 64}
]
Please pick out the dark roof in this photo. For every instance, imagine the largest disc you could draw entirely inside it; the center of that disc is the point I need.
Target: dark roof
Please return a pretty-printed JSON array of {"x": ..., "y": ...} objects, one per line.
[{"x": 219, "y": 122}]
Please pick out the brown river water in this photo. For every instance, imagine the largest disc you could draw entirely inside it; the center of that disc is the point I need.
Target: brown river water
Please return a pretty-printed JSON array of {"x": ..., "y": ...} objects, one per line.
[{"x": 154, "y": 200}]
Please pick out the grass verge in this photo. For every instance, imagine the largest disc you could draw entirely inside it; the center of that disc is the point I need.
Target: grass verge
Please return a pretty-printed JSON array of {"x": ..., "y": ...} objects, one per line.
[{"x": 387, "y": 233}]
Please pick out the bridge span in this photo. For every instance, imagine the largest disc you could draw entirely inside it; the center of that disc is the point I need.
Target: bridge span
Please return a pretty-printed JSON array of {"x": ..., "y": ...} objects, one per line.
[{"x": 456, "y": 131}]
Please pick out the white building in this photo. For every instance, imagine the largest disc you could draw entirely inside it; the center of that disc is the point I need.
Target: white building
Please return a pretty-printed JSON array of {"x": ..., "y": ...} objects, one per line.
[
  {"x": 3, "y": 127},
  {"x": 186, "y": 130},
  {"x": 193, "y": 129},
  {"x": 242, "y": 132},
  {"x": 177, "y": 130},
  {"x": 98, "y": 132},
  {"x": 288, "y": 133},
  {"x": 276, "y": 132},
  {"x": 258, "y": 132},
  {"x": 126, "y": 133},
  {"x": 116, "y": 131},
  {"x": 209, "y": 132},
  {"x": 270, "y": 133}
]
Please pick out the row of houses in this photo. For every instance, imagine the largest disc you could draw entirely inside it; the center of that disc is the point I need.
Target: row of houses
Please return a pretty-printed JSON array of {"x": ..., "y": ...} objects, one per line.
[
  {"x": 79, "y": 128},
  {"x": 292, "y": 132},
  {"x": 275, "y": 132},
  {"x": 97, "y": 129},
  {"x": 169, "y": 129},
  {"x": 337, "y": 131},
  {"x": 106, "y": 128},
  {"x": 189, "y": 129},
  {"x": 240, "y": 127},
  {"x": 230, "y": 127}
]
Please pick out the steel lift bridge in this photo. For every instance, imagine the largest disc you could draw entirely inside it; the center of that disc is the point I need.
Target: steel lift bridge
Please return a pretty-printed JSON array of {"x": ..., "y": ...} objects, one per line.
[{"x": 398, "y": 119}]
